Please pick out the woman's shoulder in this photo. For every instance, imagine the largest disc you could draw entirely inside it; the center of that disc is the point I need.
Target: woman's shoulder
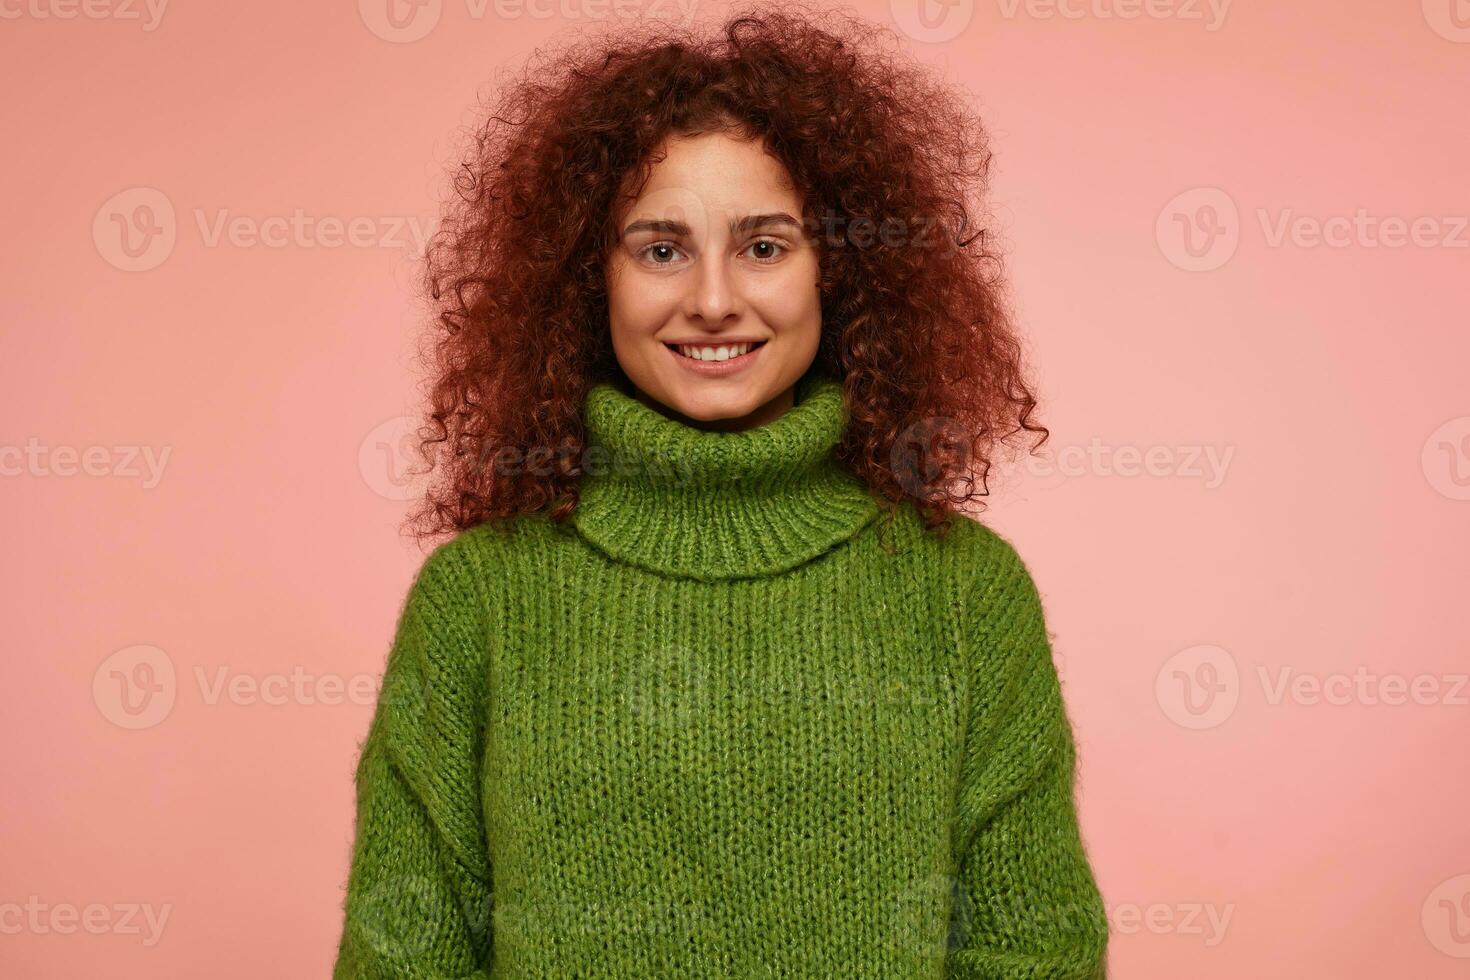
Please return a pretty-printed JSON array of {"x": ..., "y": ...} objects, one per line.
[
  {"x": 482, "y": 554},
  {"x": 970, "y": 565},
  {"x": 971, "y": 550},
  {"x": 976, "y": 564},
  {"x": 468, "y": 559}
]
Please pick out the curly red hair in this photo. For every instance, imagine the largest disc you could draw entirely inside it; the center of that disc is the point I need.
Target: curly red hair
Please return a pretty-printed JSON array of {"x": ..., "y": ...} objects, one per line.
[{"x": 892, "y": 165}]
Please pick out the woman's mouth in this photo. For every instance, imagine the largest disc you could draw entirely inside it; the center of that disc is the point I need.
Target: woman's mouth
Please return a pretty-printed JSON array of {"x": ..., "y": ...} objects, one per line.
[
  {"x": 714, "y": 352},
  {"x": 716, "y": 359}
]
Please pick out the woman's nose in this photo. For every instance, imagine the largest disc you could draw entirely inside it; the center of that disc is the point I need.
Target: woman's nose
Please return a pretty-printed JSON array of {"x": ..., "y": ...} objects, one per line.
[{"x": 714, "y": 291}]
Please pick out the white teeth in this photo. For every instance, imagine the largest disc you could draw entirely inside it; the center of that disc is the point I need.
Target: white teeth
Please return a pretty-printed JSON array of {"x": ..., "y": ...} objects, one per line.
[{"x": 722, "y": 353}]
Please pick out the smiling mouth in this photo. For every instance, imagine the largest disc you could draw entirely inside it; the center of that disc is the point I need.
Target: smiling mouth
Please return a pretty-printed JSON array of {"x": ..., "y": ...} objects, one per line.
[{"x": 715, "y": 352}]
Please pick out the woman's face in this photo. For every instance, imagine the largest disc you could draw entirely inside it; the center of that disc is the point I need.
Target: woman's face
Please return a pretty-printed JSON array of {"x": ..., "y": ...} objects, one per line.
[{"x": 712, "y": 255}]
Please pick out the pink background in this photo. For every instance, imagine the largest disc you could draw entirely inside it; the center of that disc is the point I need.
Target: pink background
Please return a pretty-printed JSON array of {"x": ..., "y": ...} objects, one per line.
[{"x": 1237, "y": 829}]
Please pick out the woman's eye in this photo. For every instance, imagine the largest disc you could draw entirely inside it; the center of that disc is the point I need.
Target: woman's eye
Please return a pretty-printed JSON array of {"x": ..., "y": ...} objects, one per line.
[
  {"x": 657, "y": 252},
  {"x": 664, "y": 253},
  {"x": 773, "y": 250}
]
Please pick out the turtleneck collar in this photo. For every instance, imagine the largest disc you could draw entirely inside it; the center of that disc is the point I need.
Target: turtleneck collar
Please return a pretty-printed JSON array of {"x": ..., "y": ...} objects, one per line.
[{"x": 709, "y": 505}]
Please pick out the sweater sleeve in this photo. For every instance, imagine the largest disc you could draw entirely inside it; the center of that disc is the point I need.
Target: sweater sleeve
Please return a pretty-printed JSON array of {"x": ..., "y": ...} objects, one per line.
[
  {"x": 1026, "y": 903},
  {"x": 418, "y": 891}
]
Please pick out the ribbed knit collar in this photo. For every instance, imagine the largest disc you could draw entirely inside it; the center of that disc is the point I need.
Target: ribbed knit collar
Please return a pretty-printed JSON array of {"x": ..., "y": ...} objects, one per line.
[{"x": 709, "y": 505}]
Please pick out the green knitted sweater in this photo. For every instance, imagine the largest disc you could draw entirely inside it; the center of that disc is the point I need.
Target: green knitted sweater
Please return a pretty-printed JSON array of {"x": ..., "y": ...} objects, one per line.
[{"x": 720, "y": 723}]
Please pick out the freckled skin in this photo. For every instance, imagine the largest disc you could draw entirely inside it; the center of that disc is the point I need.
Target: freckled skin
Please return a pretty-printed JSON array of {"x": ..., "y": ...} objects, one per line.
[{"x": 710, "y": 282}]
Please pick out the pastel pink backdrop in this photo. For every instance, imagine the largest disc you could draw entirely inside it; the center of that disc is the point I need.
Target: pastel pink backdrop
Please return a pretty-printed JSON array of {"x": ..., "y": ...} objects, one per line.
[{"x": 1236, "y": 830}]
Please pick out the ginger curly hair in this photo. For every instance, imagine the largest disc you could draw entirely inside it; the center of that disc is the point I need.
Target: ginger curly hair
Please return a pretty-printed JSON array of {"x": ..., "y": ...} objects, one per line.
[{"x": 914, "y": 324}]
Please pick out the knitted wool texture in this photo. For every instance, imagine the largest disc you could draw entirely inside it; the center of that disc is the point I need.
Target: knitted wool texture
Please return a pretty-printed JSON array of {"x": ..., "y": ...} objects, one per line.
[{"x": 717, "y": 725}]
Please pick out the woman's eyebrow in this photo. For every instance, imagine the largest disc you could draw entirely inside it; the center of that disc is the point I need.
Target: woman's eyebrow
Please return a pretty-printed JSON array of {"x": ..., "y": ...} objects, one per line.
[
  {"x": 752, "y": 221},
  {"x": 746, "y": 223},
  {"x": 657, "y": 224}
]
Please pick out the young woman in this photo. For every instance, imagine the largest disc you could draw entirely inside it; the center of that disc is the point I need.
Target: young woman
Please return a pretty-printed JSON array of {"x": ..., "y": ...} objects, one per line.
[{"x": 712, "y": 678}]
